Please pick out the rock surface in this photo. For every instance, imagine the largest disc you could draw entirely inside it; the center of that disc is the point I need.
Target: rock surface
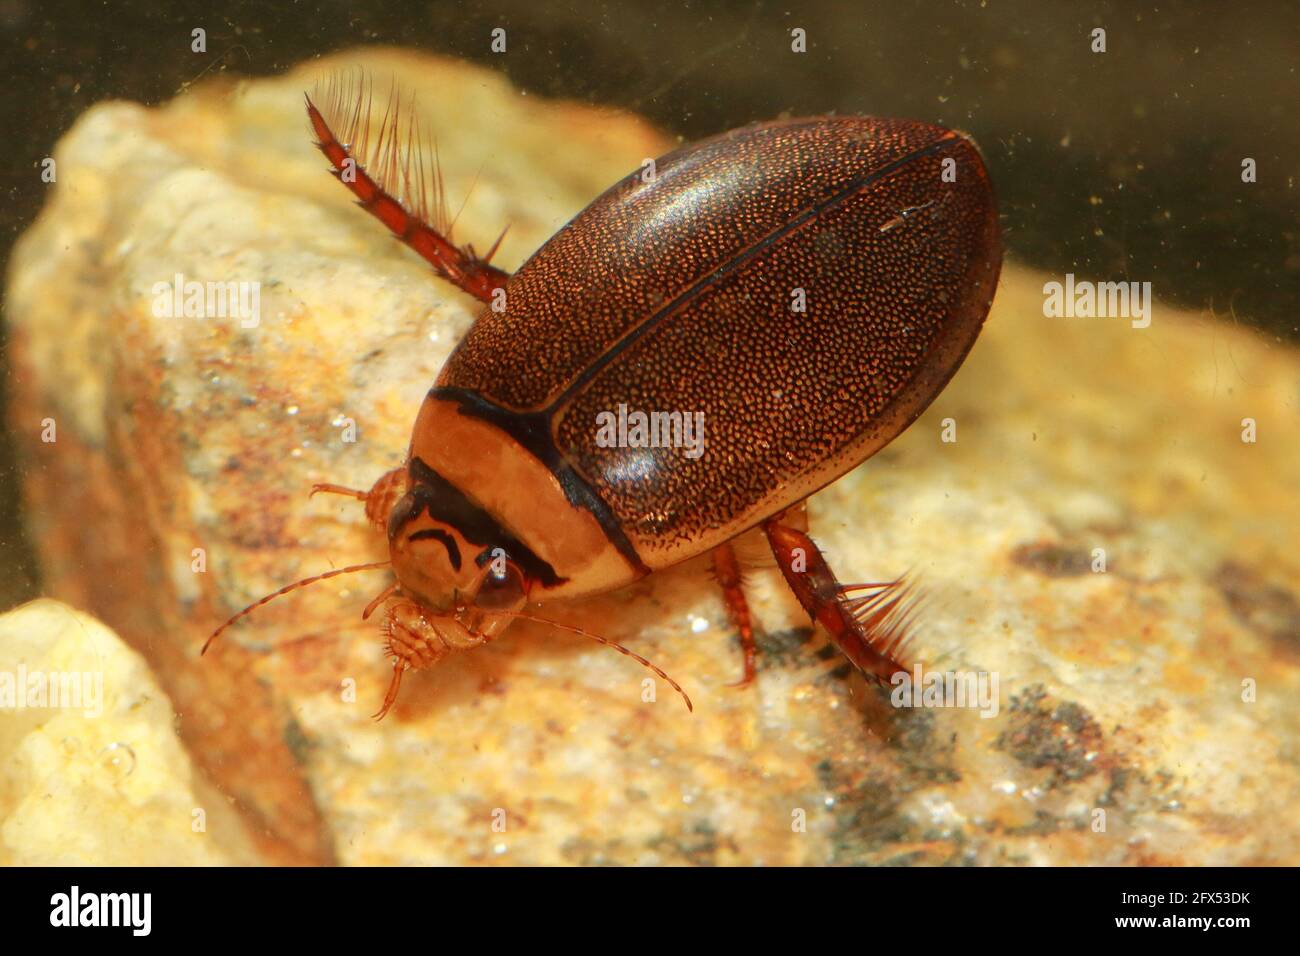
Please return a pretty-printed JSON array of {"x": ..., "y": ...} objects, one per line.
[
  {"x": 92, "y": 772},
  {"x": 1121, "y": 691}
]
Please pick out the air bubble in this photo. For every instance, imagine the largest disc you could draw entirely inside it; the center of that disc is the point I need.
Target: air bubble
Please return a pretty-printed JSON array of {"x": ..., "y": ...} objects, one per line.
[{"x": 118, "y": 759}]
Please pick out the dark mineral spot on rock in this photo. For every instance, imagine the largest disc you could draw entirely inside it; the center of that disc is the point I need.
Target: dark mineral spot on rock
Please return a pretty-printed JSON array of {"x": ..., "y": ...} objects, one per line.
[
  {"x": 1059, "y": 736},
  {"x": 1053, "y": 560},
  {"x": 582, "y": 851},
  {"x": 1267, "y": 609},
  {"x": 299, "y": 744},
  {"x": 927, "y": 756},
  {"x": 697, "y": 844},
  {"x": 914, "y": 727},
  {"x": 873, "y": 814},
  {"x": 780, "y": 648},
  {"x": 870, "y": 822}
]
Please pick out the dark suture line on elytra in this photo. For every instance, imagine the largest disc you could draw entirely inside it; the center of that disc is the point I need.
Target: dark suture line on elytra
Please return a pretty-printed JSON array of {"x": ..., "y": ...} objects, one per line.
[{"x": 809, "y": 215}]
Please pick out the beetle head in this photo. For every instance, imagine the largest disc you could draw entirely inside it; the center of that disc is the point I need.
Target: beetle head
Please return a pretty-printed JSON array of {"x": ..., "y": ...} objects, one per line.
[
  {"x": 441, "y": 567},
  {"x": 453, "y": 590}
]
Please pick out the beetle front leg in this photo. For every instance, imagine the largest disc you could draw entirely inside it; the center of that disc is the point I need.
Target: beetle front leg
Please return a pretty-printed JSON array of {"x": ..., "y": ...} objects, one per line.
[
  {"x": 727, "y": 570},
  {"x": 416, "y": 638},
  {"x": 412, "y": 642},
  {"x": 870, "y": 629},
  {"x": 379, "y": 499}
]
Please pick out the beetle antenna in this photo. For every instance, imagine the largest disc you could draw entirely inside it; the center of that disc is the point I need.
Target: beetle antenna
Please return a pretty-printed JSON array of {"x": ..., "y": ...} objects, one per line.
[
  {"x": 375, "y": 566},
  {"x": 616, "y": 646}
]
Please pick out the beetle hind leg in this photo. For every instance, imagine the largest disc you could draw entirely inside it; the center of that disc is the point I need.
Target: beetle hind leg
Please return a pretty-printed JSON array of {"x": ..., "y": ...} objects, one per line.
[
  {"x": 379, "y": 499},
  {"x": 396, "y": 177},
  {"x": 870, "y": 629},
  {"x": 727, "y": 570}
]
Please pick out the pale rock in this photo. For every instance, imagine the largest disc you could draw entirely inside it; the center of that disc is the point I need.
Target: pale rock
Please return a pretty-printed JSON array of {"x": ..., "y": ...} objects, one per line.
[{"x": 91, "y": 770}]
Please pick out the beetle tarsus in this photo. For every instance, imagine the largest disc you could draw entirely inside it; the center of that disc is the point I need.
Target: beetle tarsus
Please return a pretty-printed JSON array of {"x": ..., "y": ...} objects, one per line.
[
  {"x": 727, "y": 570},
  {"x": 390, "y": 698}
]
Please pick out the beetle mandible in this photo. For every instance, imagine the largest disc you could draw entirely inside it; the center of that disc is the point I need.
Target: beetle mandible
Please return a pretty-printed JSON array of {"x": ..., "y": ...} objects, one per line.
[{"x": 806, "y": 287}]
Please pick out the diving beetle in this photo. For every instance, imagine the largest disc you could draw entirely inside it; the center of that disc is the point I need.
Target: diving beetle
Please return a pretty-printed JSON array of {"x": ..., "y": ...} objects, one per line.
[{"x": 807, "y": 285}]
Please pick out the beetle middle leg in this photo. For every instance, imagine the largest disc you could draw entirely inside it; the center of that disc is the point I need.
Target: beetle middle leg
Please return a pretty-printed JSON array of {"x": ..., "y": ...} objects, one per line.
[
  {"x": 870, "y": 629},
  {"x": 727, "y": 570},
  {"x": 379, "y": 499}
]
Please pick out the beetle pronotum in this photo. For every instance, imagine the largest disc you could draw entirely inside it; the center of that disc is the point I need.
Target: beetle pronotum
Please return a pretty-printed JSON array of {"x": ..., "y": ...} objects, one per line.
[{"x": 807, "y": 285}]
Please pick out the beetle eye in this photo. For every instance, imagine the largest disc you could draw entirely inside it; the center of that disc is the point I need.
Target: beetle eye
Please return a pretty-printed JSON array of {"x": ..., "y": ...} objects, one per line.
[{"x": 501, "y": 592}]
